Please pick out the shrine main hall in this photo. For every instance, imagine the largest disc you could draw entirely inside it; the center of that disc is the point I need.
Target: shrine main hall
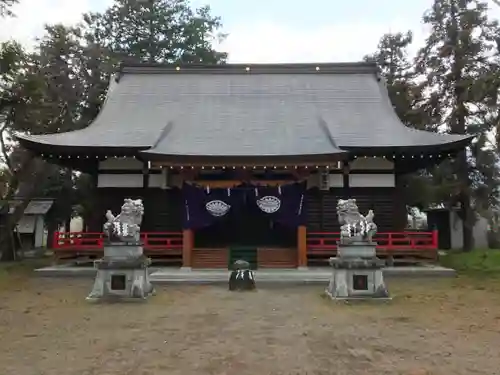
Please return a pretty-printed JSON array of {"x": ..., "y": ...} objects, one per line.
[{"x": 247, "y": 161}]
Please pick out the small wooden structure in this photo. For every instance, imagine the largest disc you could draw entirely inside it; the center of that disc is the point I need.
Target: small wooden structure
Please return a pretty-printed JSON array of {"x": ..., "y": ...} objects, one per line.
[{"x": 31, "y": 226}]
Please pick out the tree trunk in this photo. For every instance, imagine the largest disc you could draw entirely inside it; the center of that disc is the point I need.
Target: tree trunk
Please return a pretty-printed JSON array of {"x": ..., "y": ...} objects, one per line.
[
  {"x": 34, "y": 170},
  {"x": 52, "y": 227},
  {"x": 467, "y": 213},
  {"x": 7, "y": 243},
  {"x": 458, "y": 125},
  {"x": 467, "y": 224}
]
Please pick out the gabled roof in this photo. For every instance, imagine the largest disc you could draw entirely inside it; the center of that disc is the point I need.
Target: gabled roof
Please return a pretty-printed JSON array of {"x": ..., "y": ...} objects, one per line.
[
  {"x": 239, "y": 110},
  {"x": 35, "y": 207}
]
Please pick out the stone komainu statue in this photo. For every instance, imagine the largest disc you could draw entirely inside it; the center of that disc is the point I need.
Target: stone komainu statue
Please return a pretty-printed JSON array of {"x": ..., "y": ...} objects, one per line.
[
  {"x": 125, "y": 227},
  {"x": 354, "y": 226}
]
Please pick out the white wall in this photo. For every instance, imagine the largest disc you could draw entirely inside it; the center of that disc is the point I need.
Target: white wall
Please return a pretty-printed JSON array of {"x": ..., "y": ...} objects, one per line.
[
  {"x": 162, "y": 180},
  {"x": 336, "y": 180},
  {"x": 39, "y": 231},
  {"x": 76, "y": 224},
  {"x": 26, "y": 224},
  {"x": 120, "y": 180},
  {"x": 35, "y": 225},
  {"x": 372, "y": 180},
  {"x": 355, "y": 180},
  {"x": 480, "y": 232},
  {"x": 132, "y": 180}
]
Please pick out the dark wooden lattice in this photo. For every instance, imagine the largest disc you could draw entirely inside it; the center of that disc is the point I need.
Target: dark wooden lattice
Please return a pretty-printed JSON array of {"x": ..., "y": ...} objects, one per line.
[{"x": 322, "y": 213}]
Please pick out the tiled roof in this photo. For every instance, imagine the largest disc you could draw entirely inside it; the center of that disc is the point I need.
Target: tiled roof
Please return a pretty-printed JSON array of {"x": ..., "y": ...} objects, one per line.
[{"x": 266, "y": 110}]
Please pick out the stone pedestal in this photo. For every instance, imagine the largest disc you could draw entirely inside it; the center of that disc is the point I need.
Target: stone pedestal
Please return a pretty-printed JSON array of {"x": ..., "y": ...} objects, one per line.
[
  {"x": 357, "y": 273},
  {"x": 122, "y": 273},
  {"x": 123, "y": 250},
  {"x": 358, "y": 249}
]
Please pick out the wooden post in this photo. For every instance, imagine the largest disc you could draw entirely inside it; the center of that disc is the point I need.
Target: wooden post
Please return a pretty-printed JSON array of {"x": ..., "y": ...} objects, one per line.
[
  {"x": 187, "y": 247},
  {"x": 302, "y": 246}
]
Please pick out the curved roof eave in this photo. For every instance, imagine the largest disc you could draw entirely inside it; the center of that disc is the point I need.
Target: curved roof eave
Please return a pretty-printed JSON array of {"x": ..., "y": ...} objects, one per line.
[
  {"x": 452, "y": 145},
  {"x": 239, "y": 159},
  {"x": 40, "y": 144},
  {"x": 417, "y": 140}
]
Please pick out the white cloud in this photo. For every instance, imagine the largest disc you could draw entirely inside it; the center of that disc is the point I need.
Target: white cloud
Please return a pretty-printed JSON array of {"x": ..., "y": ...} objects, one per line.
[
  {"x": 255, "y": 41},
  {"x": 32, "y": 15},
  {"x": 273, "y": 43},
  {"x": 259, "y": 41}
]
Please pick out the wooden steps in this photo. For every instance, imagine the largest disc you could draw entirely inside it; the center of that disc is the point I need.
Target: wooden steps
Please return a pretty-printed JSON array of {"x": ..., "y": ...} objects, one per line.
[
  {"x": 210, "y": 258},
  {"x": 276, "y": 257},
  {"x": 246, "y": 253},
  {"x": 266, "y": 258}
]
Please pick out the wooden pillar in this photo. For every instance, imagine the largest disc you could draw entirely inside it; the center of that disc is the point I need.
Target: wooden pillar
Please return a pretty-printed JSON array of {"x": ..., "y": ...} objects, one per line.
[
  {"x": 302, "y": 246},
  {"x": 345, "y": 178},
  {"x": 187, "y": 247},
  {"x": 145, "y": 174},
  {"x": 94, "y": 220},
  {"x": 399, "y": 217}
]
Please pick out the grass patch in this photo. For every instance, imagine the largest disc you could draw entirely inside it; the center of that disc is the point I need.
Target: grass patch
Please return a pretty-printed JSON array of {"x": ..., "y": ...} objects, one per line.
[
  {"x": 476, "y": 262},
  {"x": 21, "y": 269}
]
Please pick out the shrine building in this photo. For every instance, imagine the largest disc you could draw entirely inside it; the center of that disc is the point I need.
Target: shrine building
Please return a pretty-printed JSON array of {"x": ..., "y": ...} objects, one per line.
[{"x": 247, "y": 161}]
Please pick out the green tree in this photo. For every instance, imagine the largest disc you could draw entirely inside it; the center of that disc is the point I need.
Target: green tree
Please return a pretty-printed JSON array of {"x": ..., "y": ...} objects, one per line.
[
  {"x": 455, "y": 53},
  {"x": 5, "y": 7},
  {"x": 156, "y": 31},
  {"x": 12, "y": 60},
  {"x": 396, "y": 67},
  {"x": 62, "y": 85},
  {"x": 57, "y": 88}
]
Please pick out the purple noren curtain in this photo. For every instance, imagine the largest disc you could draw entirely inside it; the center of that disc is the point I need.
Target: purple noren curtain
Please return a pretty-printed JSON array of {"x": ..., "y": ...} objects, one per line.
[
  {"x": 203, "y": 206},
  {"x": 283, "y": 204}
]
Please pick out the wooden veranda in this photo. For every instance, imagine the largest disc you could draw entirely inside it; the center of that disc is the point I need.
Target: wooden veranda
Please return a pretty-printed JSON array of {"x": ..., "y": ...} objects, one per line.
[{"x": 175, "y": 249}]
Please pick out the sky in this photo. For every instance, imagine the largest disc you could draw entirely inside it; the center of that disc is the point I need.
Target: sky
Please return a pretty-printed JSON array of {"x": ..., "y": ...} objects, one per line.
[{"x": 266, "y": 31}]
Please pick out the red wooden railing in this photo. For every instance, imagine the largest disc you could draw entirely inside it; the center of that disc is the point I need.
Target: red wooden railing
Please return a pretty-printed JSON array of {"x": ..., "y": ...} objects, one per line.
[
  {"x": 318, "y": 242},
  {"x": 85, "y": 241}
]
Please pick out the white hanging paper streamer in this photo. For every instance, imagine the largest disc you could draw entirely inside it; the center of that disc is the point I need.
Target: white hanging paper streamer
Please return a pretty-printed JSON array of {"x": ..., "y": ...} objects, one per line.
[
  {"x": 279, "y": 189},
  {"x": 208, "y": 189},
  {"x": 187, "y": 210},
  {"x": 301, "y": 203},
  {"x": 228, "y": 192}
]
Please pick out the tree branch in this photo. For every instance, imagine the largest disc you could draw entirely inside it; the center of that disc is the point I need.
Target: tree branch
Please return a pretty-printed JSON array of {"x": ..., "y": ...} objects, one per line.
[{"x": 3, "y": 147}]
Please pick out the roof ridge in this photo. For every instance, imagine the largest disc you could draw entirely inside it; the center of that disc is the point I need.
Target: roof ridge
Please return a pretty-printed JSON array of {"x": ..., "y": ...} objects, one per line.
[{"x": 361, "y": 67}]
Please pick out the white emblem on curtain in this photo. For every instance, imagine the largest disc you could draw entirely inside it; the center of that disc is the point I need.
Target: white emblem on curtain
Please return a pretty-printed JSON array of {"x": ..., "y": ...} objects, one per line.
[
  {"x": 217, "y": 208},
  {"x": 269, "y": 204}
]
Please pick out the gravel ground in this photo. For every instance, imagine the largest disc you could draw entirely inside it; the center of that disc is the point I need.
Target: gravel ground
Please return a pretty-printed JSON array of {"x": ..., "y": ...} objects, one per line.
[{"x": 431, "y": 327}]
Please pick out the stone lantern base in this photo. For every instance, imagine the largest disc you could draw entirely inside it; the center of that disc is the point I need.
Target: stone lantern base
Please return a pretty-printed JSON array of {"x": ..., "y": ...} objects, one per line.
[
  {"x": 357, "y": 274},
  {"x": 122, "y": 274}
]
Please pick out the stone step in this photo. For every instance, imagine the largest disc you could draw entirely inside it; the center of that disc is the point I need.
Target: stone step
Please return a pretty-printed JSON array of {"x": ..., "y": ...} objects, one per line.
[{"x": 277, "y": 276}]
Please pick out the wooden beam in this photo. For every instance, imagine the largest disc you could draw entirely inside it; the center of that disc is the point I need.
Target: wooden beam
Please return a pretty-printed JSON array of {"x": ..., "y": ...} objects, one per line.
[
  {"x": 302, "y": 246},
  {"x": 233, "y": 183},
  {"x": 187, "y": 247}
]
